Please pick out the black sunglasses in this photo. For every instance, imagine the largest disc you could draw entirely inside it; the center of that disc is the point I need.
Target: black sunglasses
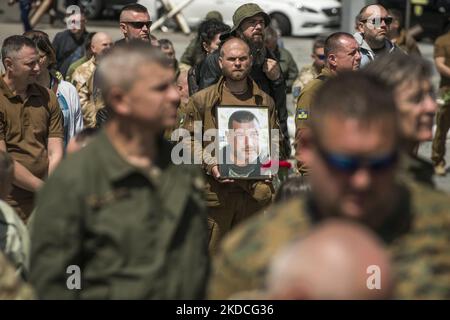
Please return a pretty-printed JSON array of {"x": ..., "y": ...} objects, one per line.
[
  {"x": 139, "y": 24},
  {"x": 350, "y": 164},
  {"x": 377, "y": 21}
]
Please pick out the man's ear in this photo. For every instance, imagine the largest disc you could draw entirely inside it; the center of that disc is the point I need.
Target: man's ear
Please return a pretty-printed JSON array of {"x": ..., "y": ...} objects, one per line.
[
  {"x": 359, "y": 27},
  {"x": 123, "y": 29},
  {"x": 7, "y": 63},
  {"x": 331, "y": 59},
  {"x": 118, "y": 101},
  {"x": 205, "y": 46},
  {"x": 220, "y": 62}
]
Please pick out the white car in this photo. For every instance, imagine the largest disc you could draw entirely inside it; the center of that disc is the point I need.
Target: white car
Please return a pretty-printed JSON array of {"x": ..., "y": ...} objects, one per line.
[{"x": 293, "y": 17}]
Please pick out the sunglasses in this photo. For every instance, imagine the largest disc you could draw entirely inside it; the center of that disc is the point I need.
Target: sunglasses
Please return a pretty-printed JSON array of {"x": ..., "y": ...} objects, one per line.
[
  {"x": 377, "y": 21},
  {"x": 139, "y": 24},
  {"x": 350, "y": 164},
  {"x": 320, "y": 56}
]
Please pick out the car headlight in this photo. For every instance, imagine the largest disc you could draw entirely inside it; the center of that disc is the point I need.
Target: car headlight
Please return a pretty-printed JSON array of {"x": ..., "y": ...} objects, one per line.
[{"x": 307, "y": 9}]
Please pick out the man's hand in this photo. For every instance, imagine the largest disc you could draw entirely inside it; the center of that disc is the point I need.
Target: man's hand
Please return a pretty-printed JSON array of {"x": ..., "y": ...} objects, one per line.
[
  {"x": 216, "y": 175},
  {"x": 272, "y": 69}
]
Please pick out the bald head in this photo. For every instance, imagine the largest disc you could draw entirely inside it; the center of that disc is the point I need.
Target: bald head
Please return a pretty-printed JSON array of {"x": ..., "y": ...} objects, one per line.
[
  {"x": 334, "y": 261},
  {"x": 235, "y": 60},
  {"x": 342, "y": 52},
  {"x": 233, "y": 43},
  {"x": 100, "y": 43}
]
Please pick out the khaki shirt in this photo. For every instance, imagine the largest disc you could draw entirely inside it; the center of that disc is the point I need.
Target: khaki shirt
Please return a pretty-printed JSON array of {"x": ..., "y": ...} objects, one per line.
[
  {"x": 135, "y": 233},
  {"x": 202, "y": 108},
  {"x": 303, "y": 114},
  {"x": 26, "y": 126},
  {"x": 442, "y": 49},
  {"x": 416, "y": 236}
]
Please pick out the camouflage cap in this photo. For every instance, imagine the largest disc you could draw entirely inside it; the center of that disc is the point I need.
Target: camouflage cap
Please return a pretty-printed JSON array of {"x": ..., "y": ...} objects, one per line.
[
  {"x": 243, "y": 12},
  {"x": 214, "y": 15}
]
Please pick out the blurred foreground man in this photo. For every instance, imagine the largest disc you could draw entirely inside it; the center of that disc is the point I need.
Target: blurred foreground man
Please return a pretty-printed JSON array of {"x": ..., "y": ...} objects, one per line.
[
  {"x": 113, "y": 209},
  {"x": 330, "y": 263},
  {"x": 352, "y": 150}
]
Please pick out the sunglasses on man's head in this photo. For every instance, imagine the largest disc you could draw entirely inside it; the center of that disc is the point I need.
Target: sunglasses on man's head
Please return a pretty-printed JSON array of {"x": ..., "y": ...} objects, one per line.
[
  {"x": 350, "y": 164},
  {"x": 139, "y": 24},
  {"x": 377, "y": 21}
]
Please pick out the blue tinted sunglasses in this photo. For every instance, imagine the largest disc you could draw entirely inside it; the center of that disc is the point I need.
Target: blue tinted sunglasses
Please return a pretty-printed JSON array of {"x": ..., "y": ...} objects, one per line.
[{"x": 351, "y": 164}]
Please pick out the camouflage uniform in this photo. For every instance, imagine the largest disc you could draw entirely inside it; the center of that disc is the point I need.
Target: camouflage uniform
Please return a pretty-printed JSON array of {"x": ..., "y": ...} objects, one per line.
[
  {"x": 306, "y": 75},
  {"x": 80, "y": 80},
  {"x": 74, "y": 66},
  {"x": 14, "y": 239},
  {"x": 93, "y": 101},
  {"x": 11, "y": 287},
  {"x": 417, "y": 236}
]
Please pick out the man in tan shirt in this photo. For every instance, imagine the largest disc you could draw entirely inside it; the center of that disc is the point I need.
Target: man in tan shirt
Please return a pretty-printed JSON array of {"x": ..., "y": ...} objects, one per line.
[
  {"x": 31, "y": 123},
  {"x": 229, "y": 201}
]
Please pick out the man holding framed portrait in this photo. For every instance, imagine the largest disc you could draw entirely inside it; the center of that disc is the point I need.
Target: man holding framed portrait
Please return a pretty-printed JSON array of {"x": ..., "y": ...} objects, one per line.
[{"x": 237, "y": 119}]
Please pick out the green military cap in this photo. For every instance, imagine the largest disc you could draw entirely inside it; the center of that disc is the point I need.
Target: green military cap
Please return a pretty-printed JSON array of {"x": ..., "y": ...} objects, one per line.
[
  {"x": 245, "y": 11},
  {"x": 214, "y": 15}
]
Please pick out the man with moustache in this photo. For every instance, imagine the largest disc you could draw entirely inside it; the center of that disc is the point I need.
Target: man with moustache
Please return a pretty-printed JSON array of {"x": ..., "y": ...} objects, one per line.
[
  {"x": 31, "y": 123},
  {"x": 372, "y": 25},
  {"x": 250, "y": 22},
  {"x": 230, "y": 201}
]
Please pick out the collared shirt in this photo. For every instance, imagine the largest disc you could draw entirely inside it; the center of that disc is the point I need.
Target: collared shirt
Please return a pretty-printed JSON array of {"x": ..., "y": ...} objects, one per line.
[
  {"x": 135, "y": 233},
  {"x": 26, "y": 126}
]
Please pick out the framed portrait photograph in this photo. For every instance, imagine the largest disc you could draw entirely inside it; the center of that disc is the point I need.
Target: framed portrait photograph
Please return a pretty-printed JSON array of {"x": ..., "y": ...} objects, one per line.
[{"x": 243, "y": 142}]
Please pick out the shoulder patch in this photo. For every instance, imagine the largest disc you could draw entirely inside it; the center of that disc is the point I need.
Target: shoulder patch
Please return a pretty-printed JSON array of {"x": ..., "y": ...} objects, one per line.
[{"x": 302, "y": 114}]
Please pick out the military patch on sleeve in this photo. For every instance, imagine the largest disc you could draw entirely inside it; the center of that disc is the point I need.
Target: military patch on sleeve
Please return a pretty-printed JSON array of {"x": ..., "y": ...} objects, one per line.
[{"x": 302, "y": 114}]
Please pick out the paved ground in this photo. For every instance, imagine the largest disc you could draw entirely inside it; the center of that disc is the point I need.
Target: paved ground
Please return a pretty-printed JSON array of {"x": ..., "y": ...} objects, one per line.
[{"x": 299, "y": 47}]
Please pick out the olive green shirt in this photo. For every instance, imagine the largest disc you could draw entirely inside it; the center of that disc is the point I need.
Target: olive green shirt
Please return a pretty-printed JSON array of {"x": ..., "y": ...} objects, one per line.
[
  {"x": 134, "y": 234},
  {"x": 417, "y": 236}
]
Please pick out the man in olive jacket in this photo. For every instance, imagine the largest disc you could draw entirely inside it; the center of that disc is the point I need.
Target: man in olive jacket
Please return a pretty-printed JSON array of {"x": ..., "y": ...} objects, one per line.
[{"x": 118, "y": 220}]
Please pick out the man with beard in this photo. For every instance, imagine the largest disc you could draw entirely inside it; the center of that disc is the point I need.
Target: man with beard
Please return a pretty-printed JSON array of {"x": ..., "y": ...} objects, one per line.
[
  {"x": 352, "y": 151},
  {"x": 372, "y": 24},
  {"x": 410, "y": 76},
  {"x": 250, "y": 22},
  {"x": 135, "y": 23},
  {"x": 229, "y": 201}
]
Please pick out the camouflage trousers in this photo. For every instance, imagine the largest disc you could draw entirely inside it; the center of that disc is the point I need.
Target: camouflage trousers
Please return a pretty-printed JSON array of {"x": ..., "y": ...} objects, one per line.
[{"x": 440, "y": 137}]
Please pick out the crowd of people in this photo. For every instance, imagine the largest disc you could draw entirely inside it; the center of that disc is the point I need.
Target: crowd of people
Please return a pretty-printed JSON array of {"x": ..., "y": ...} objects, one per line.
[{"x": 92, "y": 132}]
